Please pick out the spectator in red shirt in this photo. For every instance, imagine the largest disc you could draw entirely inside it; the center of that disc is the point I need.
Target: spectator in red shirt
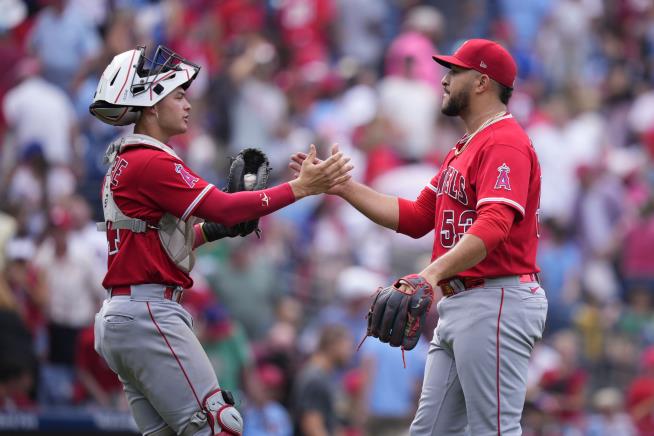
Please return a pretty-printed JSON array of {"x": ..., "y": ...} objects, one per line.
[
  {"x": 638, "y": 257},
  {"x": 306, "y": 28},
  {"x": 562, "y": 387},
  {"x": 238, "y": 17},
  {"x": 640, "y": 396},
  {"x": 96, "y": 382}
]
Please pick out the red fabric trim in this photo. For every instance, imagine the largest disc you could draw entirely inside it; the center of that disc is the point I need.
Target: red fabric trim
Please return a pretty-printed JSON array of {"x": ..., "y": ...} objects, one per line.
[
  {"x": 497, "y": 372},
  {"x": 174, "y": 355},
  {"x": 204, "y": 400},
  {"x": 126, "y": 77},
  {"x": 210, "y": 419}
]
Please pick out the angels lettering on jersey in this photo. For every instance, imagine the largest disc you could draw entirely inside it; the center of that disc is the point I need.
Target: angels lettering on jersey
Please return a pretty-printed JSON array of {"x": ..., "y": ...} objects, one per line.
[
  {"x": 188, "y": 178},
  {"x": 117, "y": 170},
  {"x": 453, "y": 183}
]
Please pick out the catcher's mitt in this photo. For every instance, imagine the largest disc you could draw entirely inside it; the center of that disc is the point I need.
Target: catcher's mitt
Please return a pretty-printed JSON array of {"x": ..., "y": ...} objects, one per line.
[
  {"x": 253, "y": 163},
  {"x": 248, "y": 161},
  {"x": 396, "y": 314}
]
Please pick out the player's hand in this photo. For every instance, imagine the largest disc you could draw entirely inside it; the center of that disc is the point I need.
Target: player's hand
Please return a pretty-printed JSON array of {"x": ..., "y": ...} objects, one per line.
[
  {"x": 317, "y": 177},
  {"x": 298, "y": 159},
  {"x": 432, "y": 276}
]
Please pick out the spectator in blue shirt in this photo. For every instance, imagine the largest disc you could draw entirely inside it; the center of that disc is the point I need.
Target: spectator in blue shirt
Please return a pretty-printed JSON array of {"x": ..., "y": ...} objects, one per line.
[{"x": 63, "y": 39}]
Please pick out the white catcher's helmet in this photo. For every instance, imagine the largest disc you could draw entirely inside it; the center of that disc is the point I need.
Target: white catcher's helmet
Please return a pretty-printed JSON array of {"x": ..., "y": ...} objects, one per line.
[{"x": 132, "y": 81}]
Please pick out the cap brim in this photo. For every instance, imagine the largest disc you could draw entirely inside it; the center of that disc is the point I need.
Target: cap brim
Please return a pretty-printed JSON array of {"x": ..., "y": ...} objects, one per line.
[{"x": 448, "y": 61}]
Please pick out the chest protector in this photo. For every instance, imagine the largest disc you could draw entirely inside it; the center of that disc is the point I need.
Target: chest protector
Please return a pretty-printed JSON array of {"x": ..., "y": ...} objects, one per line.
[{"x": 176, "y": 235}]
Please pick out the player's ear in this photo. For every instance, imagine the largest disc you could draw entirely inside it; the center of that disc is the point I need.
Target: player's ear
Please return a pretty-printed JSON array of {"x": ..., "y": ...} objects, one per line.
[
  {"x": 149, "y": 111},
  {"x": 483, "y": 83}
]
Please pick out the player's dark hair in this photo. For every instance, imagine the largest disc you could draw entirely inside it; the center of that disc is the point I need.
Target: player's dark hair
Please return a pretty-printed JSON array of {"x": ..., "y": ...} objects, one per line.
[{"x": 505, "y": 93}]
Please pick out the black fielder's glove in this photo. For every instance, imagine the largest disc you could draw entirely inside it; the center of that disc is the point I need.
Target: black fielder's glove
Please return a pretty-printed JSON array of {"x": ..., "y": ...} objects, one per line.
[
  {"x": 397, "y": 312},
  {"x": 214, "y": 231},
  {"x": 248, "y": 171}
]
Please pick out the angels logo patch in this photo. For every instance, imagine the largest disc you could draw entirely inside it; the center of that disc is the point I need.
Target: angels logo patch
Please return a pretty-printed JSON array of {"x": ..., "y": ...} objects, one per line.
[
  {"x": 264, "y": 199},
  {"x": 503, "y": 177},
  {"x": 186, "y": 176}
]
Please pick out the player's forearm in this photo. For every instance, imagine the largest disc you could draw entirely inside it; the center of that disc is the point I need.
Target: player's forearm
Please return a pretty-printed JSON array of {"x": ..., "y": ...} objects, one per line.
[
  {"x": 468, "y": 252},
  {"x": 231, "y": 209},
  {"x": 379, "y": 208}
]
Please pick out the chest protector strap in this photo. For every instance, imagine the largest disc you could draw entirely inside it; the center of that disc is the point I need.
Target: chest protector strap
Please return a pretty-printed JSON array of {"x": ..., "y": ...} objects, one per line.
[{"x": 176, "y": 235}]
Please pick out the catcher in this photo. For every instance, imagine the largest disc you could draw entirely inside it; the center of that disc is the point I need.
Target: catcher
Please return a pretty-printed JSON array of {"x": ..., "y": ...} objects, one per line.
[{"x": 156, "y": 211}]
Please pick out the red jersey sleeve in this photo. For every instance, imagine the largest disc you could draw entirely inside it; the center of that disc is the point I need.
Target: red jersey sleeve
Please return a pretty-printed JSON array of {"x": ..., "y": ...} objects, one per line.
[
  {"x": 493, "y": 224},
  {"x": 503, "y": 177},
  {"x": 236, "y": 207},
  {"x": 417, "y": 217},
  {"x": 168, "y": 182}
]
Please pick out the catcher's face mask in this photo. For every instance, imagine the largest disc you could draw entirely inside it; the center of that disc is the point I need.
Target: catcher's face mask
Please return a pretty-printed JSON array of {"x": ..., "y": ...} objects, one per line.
[{"x": 133, "y": 81}]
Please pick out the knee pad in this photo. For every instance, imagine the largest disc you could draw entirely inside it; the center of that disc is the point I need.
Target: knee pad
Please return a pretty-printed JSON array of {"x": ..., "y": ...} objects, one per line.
[
  {"x": 219, "y": 414},
  {"x": 222, "y": 416}
]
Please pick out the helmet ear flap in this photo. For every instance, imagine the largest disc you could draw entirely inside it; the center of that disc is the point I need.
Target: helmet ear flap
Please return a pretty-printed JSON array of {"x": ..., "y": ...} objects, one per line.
[{"x": 113, "y": 114}]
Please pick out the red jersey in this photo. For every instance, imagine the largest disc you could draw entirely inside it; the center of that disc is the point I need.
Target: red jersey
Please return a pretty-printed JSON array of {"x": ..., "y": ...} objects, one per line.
[
  {"x": 641, "y": 391},
  {"x": 146, "y": 183},
  {"x": 498, "y": 165}
]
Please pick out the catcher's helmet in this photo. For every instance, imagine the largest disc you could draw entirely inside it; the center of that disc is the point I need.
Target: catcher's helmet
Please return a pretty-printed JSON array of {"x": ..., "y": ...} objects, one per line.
[{"x": 132, "y": 81}]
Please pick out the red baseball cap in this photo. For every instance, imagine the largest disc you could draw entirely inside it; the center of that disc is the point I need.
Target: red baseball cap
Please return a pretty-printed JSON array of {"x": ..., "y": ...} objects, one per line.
[{"x": 487, "y": 57}]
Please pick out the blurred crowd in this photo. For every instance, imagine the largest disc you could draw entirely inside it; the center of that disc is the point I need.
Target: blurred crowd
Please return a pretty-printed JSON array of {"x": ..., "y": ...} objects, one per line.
[{"x": 280, "y": 316}]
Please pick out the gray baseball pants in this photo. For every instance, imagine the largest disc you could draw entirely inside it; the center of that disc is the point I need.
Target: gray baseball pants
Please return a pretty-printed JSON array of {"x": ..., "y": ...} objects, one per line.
[
  {"x": 149, "y": 342},
  {"x": 476, "y": 371}
]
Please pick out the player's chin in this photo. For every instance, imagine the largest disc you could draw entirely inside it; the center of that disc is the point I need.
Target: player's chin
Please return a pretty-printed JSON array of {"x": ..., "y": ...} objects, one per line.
[{"x": 182, "y": 127}]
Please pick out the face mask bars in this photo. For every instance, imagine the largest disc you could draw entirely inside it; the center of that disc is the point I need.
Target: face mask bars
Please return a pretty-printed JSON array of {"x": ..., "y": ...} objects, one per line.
[{"x": 163, "y": 65}]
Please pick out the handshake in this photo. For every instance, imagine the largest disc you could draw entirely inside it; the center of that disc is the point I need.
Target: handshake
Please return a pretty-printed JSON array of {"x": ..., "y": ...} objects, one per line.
[
  {"x": 250, "y": 169},
  {"x": 314, "y": 176}
]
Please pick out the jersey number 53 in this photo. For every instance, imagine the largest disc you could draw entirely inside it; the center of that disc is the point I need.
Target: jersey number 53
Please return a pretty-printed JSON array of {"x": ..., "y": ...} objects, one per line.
[{"x": 453, "y": 229}]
